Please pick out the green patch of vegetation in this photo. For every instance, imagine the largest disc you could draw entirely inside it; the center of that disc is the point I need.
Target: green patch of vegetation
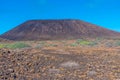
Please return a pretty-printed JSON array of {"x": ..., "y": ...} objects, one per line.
[
  {"x": 74, "y": 44},
  {"x": 53, "y": 45},
  {"x": 14, "y": 45},
  {"x": 2, "y": 45},
  {"x": 41, "y": 44},
  {"x": 17, "y": 45},
  {"x": 117, "y": 43},
  {"x": 84, "y": 42},
  {"x": 93, "y": 43}
]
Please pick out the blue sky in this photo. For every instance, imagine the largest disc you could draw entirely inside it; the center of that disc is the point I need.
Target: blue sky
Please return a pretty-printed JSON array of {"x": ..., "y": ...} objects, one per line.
[{"x": 105, "y": 13}]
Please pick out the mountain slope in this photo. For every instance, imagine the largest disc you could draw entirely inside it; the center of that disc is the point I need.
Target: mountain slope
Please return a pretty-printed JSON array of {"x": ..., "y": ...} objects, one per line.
[
  {"x": 57, "y": 29},
  {"x": 4, "y": 40}
]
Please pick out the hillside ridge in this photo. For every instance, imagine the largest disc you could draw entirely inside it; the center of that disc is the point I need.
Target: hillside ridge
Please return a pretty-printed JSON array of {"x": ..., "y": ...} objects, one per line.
[{"x": 57, "y": 29}]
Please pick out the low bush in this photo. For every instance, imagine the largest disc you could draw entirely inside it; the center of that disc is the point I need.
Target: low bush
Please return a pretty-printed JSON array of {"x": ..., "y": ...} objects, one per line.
[
  {"x": 74, "y": 44},
  {"x": 2, "y": 45},
  {"x": 117, "y": 43},
  {"x": 14, "y": 45},
  {"x": 84, "y": 42},
  {"x": 53, "y": 45},
  {"x": 93, "y": 43}
]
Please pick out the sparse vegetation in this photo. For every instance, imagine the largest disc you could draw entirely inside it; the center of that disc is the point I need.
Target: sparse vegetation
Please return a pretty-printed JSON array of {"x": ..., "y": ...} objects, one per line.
[
  {"x": 93, "y": 43},
  {"x": 14, "y": 45},
  {"x": 74, "y": 44},
  {"x": 60, "y": 60},
  {"x": 2, "y": 45},
  {"x": 53, "y": 45},
  {"x": 83, "y": 43},
  {"x": 40, "y": 44},
  {"x": 117, "y": 43}
]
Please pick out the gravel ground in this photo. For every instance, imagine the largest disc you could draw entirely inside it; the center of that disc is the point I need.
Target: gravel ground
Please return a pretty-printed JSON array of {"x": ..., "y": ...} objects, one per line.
[{"x": 48, "y": 65}]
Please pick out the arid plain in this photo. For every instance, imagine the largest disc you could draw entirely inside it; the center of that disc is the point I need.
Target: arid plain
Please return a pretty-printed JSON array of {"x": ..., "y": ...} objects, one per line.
[{"x": 97, "y": 59}]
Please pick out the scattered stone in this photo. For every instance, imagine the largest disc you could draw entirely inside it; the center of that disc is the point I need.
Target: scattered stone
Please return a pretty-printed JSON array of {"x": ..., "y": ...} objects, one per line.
[
  {"x": 91, "y": 73},
  {"x": 39, "y": 65},
  {"x": 54, "y": 71},
  {"x": 70, "y": 64}
]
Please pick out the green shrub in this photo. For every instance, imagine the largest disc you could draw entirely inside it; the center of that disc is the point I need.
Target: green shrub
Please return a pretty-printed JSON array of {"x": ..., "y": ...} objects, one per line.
[
  {"x": 93, "y": 43},
  {"x": 53, "y": 45},
  {"x": 17, "y": 45},
  {"x": 74, "y": 44},
  {"x": 2, "y": 45},
  {"x": 14, "y": 45},
  {"x": 117, "y": 43},
  {"x": 42, "y": 42},
  {"x": 84, "y": 42},
  {"x": 39, "y": 46}
]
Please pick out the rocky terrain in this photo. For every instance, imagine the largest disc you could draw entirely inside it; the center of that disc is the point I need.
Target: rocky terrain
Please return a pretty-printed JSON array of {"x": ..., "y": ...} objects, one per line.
[
  {"x": 56, "y": 30},
  {"x": 59, "y": 50},
  {"x": 60, "y": 61},
  {"x": 4, "y": 40}
]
